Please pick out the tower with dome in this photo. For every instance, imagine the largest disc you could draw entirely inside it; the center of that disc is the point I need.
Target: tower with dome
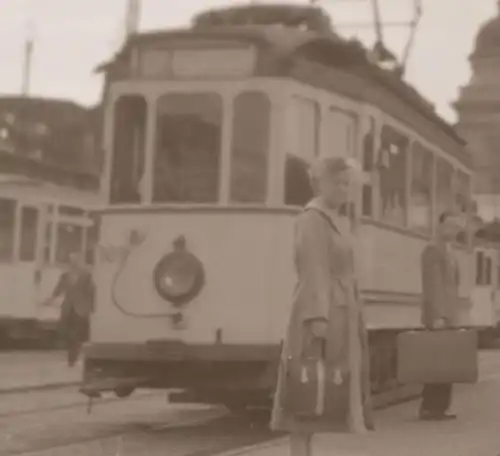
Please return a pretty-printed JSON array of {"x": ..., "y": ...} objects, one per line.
[{"x": 478, "y": 110}]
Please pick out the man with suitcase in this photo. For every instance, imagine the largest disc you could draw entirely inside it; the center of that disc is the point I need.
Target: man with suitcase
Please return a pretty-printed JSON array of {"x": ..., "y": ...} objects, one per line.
[{"x": 440, "y": 281}]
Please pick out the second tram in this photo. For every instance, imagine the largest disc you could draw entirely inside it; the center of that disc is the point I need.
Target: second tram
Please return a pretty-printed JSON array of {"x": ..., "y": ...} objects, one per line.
[{"x": 40, "y": 225}]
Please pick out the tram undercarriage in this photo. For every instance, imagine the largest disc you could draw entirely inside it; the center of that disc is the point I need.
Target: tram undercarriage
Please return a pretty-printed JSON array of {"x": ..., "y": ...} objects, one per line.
[{"x": 235, "y": 376}]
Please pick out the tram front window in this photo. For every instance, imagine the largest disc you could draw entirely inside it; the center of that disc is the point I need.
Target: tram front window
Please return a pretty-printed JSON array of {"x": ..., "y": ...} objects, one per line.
[
  {"x": 128, "y": 149},
  {"x": 188, "y": 147}
]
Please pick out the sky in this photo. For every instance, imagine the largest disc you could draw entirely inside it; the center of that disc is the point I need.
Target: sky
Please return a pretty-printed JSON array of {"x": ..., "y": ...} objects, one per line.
[{"x": 73, "y": 36}]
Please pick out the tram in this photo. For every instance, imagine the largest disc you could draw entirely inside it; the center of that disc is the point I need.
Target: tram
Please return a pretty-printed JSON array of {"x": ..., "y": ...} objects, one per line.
[
  {"x": 208, "y": 133},
  {"x": 40, "y": 225},
  {"x": 485, "y": 312}
]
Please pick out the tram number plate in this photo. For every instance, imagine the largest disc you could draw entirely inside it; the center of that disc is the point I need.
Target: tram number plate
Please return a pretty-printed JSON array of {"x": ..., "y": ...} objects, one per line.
[{"x": 171, "y": 349}]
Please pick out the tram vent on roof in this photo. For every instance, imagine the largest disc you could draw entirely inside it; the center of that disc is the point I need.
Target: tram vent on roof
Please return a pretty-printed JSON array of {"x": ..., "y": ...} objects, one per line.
[{"x": 307, "y": 17}]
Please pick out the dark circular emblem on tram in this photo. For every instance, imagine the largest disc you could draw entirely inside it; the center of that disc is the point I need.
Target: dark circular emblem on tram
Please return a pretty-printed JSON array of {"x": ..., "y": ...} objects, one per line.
[{"x": 179, "y": 276}]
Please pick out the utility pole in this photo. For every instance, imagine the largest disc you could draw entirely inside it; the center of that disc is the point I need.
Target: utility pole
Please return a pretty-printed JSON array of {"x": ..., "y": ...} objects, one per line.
[
  {"x": 132, "y": 17},
  {"x": 28, "y": 58}
]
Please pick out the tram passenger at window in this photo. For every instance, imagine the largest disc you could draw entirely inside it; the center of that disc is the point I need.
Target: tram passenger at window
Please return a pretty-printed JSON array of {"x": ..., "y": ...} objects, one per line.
[
  {"x": 76, "y": 287},
  {"x": 440, "y": 282},
  {"x": 325, "y": 320}
]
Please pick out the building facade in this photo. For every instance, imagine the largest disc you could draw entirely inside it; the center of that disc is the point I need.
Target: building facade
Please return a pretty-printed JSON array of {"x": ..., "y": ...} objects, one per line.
[
  {"x": 478, "y": 109},
  {"x": 56, "y": 133}
]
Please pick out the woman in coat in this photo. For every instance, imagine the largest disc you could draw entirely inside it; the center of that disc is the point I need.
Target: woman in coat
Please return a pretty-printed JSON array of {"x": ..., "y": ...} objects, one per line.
[{"x": 326, "y": 308}]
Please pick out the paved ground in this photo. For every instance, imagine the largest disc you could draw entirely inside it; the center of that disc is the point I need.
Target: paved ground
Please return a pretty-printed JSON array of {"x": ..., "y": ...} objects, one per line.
[
  {"x": 475, "y": 433},
  {"x": 20, "y": 370},
  {"x": 55, "y": 423}
]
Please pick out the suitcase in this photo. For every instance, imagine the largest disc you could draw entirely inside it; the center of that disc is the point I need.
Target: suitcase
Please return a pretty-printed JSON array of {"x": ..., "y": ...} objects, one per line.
[
  {"x": 315, "y": 388},
  {"x": 438, "y": 356}
]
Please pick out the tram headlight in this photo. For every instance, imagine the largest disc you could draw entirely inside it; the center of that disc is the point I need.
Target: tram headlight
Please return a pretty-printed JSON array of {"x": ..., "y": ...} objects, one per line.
[{"x": 179, "y": 275}]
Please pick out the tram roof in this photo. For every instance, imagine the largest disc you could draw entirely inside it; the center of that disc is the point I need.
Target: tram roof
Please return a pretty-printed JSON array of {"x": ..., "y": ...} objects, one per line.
[{"x": 287, "y": 42}]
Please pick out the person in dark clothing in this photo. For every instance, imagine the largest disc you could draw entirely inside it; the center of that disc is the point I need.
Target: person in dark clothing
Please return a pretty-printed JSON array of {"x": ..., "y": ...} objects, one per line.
[
  {"x": 440, "y": 282},
  {"x": 77, "y": 289}
]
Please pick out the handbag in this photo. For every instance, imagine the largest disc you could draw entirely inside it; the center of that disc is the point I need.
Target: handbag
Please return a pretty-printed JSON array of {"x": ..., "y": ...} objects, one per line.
[{"x": 314, "y": 387}]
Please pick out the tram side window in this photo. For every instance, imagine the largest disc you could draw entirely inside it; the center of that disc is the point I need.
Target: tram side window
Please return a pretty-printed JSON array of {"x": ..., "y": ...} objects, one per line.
[
  {"x": 47, "y": 238},
  {"x": 488, "y": 267},
  {"x": 29, "y": 224},
  {"x": 303, "y": 146},
  {"x": 250, "y": 148},
  {"x": 479, "y": 268},
  {"x": 188, "y": 148},
  {"x": 298, "y": 190},
  {"x": 462, "y": 200},
  {"x": 368, "y": 167},
  {"x": 92, "y": 238},
  {"x": 304, "y": 128},
  {"x": 69, "y": 240},
  {"x": 339, "y": 129},
  {"x": 7, "y": 224},
  {"x": 498, "y": 271},
  {"x": 393, "y": 176},
  {"x": 128, "y": 149},
  {"x": 420, "y": 210},
  {"x": 444, "y": 186},
  {"x": 484, "y": 269}
]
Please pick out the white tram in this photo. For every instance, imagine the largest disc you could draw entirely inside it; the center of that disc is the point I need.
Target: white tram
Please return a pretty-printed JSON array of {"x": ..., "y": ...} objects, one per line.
[
  {"x": 485, "y": 311},
  {"x": 40, "y": 225},
  {"x": 208, "y": 132}
]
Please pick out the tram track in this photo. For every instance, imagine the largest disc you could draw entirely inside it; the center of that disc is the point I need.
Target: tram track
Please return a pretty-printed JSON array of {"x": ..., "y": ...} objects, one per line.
[
  {"x": 206, "y": 436},
  {"x": 79, "y": 402}
]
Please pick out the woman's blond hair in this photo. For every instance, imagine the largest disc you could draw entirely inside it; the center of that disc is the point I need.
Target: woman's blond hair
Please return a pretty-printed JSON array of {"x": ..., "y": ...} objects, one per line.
[{"x": 329, "y": 166}]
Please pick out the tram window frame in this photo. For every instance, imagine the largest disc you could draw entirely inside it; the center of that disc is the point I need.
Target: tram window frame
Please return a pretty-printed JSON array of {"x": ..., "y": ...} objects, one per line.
[
  {"x": 243, "y": 186},
  {"x": 390, "y": 139},
  {"x": 178, "y": 194},
  {"x": 7, "y": 220},
  {"x": 28, "y": 236}
]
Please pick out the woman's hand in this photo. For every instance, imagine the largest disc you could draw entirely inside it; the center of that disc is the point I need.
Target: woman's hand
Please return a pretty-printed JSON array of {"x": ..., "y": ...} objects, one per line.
[
  {"x": 319, "y": 328},
  {"x": 439, "y": 323}
]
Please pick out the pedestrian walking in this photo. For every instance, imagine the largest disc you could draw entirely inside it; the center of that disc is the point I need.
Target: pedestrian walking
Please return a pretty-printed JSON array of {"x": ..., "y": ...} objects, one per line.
[
  {"x": 440, "y": 282},
  {"x": 325, "y": 324},
  {"x": 76, "y": 287}
]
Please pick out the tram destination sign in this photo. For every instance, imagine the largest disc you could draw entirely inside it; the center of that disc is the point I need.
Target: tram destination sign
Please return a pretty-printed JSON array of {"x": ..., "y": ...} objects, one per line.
[{"x": 231, "y": 62}]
